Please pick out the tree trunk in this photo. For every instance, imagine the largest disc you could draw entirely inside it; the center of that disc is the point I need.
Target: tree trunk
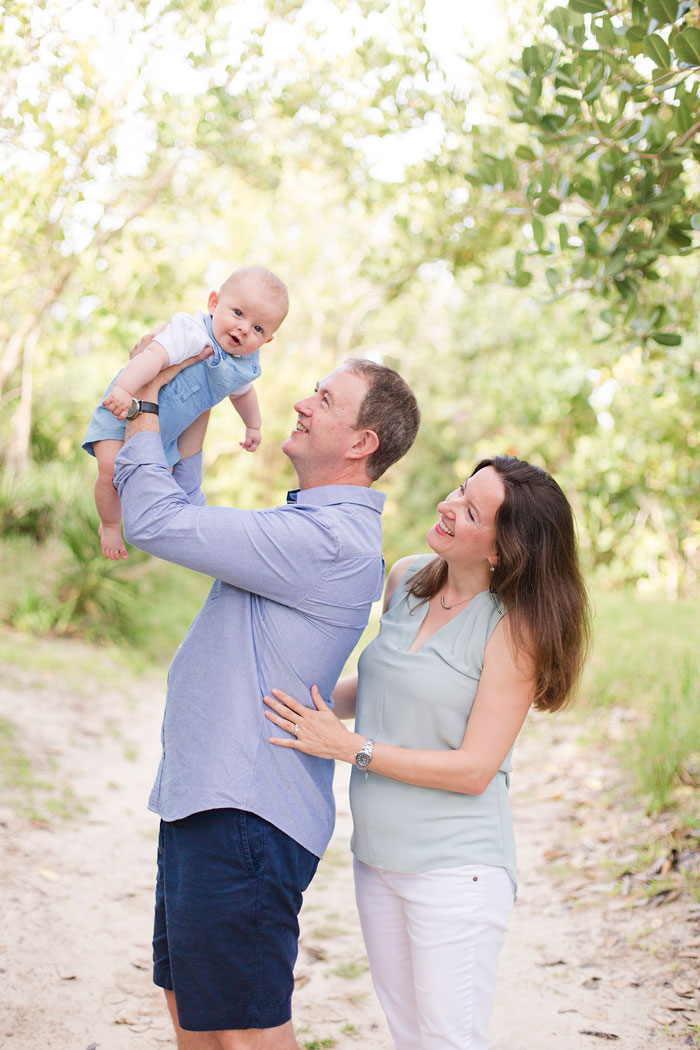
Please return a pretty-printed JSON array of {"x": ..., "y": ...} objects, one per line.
[{"x": 18, "y": 452}]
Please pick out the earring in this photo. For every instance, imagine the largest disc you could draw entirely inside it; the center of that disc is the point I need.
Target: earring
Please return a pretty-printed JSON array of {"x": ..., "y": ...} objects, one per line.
[{"x": 492, "y": 567}]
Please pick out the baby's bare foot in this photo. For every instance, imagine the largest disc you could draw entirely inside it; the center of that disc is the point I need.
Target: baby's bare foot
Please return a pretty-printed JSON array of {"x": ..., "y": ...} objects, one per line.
[{"x": 112, "y": 542}]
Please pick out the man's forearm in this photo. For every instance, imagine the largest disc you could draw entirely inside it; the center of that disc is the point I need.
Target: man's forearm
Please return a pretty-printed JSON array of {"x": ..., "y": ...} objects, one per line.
[{"x": 145, "y": 422}]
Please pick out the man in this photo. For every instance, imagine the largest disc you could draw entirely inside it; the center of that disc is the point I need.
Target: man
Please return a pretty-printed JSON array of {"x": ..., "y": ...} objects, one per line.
[{"x": 243, "y": 823}]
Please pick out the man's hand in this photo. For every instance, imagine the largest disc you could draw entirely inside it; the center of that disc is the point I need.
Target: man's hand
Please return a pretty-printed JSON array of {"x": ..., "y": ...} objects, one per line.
[
  {"x": 118, "y": 401},
  {"x": 252, "y": 439},
  {"x": 149, "y": 392}
]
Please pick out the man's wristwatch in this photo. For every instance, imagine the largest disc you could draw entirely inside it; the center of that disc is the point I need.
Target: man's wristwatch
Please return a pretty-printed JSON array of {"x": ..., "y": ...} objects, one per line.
[
  {"x": 141, "y": 406},
  {"x": 364, "y": 756}
]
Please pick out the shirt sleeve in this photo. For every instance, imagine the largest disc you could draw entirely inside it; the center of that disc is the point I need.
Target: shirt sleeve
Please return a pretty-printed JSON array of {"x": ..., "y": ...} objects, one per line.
[
  {"x": 183, "y": 337},
  {"x": 279, "y": 553},
  {"x": 188, "y": 474}
]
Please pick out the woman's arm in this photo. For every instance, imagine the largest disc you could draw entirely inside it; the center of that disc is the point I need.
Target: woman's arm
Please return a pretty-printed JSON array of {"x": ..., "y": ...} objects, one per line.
[{"x": 501, "y": 704}]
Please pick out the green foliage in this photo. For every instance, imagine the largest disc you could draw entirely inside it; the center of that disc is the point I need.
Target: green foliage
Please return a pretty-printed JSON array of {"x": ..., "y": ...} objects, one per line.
[
  {"x": 644, "y": 660},
  {"x": 129, "y": 193},
  {"x": 641, "y": 646},
  {"x": 609, "y": 177},
  {"x": 667, "y": 748},
  {"x": 30, "y": 795}
]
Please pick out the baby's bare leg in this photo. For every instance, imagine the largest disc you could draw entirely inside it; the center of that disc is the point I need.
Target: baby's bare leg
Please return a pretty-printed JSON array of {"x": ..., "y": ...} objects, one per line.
[
  {"x": 191, "y": 440},
  {"x": 107, "y": 500}
]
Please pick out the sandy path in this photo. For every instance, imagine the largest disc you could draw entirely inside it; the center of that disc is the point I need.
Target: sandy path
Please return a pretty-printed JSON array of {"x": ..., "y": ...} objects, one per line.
[{"x": 77, "y": 900}]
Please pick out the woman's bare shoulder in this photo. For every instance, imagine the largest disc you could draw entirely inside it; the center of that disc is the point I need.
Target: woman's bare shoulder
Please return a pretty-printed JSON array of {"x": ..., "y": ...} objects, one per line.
[{"x": 396, "y": 573}]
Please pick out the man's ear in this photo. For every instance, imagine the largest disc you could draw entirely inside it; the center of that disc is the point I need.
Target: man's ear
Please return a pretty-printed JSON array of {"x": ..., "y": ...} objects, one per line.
[
  {"x": 213, "y": 301},
  {"x": 364, "y": 445}
]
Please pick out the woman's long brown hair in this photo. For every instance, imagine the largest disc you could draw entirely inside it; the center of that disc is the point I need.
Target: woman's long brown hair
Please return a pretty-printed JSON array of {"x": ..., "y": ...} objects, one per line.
[{"x": 537, "y": 578}]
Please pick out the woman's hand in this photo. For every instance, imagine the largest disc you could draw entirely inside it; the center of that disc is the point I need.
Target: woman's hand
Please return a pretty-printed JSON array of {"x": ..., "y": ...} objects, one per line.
[{"x": 319, "y": 732}]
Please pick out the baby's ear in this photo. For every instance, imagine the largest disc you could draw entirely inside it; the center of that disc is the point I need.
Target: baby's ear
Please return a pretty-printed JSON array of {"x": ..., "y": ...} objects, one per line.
[
  {"x": 268, "y": 340},
  {"x": 213, "y": 301}
]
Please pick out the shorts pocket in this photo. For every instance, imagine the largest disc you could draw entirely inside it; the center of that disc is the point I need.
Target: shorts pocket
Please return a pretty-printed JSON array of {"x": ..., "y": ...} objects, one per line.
[{"x": 254, "y": 841}]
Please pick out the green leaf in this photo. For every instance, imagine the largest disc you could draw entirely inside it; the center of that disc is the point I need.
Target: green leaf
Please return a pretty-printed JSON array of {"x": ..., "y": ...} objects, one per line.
[
  {"x": 563, "y": 236},
  {"x": 588, "y": 7},
  {"x": 561, "y": 20},
  {"x": 686, "y": 44},
  {"x": 605, "y": 33},
  {"x": 683, "y": 117},
  {"x": 529, "y": 59},
  {"x": 525, "y": 153},
  {"x": 636, "y": 34},
  {"x": 615, "y": 264},
  {"x": 679, "y": 237},
  {"x": 546, "y": 176},
  {"x": 552, "y": 277},
  {"x": 666, "y": 338},
  {"x": 538, "y": 231},
  {"x": 657, "y": 49},
  {"x": 548, "y": 205},
  {"x": 664, "y": 11},
  {"x": 521, "y": 278}
]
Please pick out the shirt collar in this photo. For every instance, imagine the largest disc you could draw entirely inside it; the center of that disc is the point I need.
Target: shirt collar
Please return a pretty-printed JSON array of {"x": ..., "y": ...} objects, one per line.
[{"x": 327, "y": 495}]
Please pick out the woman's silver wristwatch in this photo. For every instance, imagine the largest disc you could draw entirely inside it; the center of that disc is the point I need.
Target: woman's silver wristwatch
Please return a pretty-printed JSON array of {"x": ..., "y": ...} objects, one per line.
[{"x": 364, "y": 756}]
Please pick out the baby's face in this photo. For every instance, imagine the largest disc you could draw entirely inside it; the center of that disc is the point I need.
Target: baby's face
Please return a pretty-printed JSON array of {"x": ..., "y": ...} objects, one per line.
[{"x": 244, "y": 315}]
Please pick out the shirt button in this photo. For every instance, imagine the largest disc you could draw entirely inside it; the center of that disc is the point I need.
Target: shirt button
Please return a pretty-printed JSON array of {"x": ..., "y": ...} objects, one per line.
[{"x": 475, "y": 878}]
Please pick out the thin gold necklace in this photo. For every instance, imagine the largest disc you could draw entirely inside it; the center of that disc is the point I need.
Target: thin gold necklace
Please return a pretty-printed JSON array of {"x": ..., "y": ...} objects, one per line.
[{"x": 444, "y": 604}]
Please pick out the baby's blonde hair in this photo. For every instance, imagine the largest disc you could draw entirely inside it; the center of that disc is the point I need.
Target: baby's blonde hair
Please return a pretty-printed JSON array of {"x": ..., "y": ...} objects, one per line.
[{"x": 273, "y": 285}]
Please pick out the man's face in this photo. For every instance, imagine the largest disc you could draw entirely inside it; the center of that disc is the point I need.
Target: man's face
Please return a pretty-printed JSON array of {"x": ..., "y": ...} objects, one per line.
[{"x": 325, "y": 433}]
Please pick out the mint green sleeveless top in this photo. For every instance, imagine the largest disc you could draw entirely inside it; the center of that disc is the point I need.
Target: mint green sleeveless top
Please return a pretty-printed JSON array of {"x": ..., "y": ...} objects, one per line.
[{"x": 422, "y": 700}]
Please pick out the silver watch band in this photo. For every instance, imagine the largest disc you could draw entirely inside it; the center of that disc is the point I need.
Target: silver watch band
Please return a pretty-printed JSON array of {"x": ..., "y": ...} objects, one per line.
[{"x": 364, "y": 756}]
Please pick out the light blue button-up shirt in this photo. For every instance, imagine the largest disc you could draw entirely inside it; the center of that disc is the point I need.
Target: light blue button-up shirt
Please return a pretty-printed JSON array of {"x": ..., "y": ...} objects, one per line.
[{"x": 291, "y": 596}]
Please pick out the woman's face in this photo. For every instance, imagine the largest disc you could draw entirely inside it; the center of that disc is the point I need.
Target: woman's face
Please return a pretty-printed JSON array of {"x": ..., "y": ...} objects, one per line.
[{"x": 465, "y": 532}]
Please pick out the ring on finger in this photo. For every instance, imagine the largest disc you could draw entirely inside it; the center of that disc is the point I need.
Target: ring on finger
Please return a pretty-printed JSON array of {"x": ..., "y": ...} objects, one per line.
[{"x": 295, "y": 730}]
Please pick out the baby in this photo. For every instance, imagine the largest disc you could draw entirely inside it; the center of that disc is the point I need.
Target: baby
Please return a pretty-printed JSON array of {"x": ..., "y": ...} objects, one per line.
[{"x": 245, "y": 313}]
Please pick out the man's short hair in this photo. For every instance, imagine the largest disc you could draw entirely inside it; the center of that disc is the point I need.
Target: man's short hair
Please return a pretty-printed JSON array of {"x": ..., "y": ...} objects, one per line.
[{"x": 389, "y": 409}]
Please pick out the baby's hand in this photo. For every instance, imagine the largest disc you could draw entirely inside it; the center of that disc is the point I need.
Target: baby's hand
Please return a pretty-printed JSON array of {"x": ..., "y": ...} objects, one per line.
[
  {"x": 252, "y": 439},
  {"x": 118, "y": 401}
]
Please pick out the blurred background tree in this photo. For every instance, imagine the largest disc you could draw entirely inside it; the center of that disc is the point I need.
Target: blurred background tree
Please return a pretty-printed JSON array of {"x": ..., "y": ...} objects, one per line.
[{"x": 511, "y": 221}]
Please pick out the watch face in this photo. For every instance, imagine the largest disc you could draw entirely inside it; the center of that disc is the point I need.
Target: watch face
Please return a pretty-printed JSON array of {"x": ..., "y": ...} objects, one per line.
[
  {"x": 362, "y": 760},
  {"x": 133, "y": 410}
]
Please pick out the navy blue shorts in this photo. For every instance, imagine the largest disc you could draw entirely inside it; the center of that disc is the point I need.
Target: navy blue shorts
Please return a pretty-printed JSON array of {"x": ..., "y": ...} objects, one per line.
[{"x": 228, "y": 896}]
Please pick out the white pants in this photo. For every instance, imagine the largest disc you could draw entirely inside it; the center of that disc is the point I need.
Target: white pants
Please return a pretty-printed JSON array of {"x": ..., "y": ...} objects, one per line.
[{"x": 433, "y": 941}]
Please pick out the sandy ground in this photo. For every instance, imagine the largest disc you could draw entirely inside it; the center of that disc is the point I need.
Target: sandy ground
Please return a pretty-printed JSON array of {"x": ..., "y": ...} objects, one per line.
[{"x": 582, "y": 964}]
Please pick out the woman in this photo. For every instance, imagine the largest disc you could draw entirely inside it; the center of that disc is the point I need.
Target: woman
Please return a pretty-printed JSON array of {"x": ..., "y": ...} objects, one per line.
[{"x": 469, "y": 641}]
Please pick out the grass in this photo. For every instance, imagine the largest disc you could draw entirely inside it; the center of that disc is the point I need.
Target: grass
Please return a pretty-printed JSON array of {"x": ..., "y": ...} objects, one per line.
[
  {"x": 640, "y": 647},
  {"x": 140, "y": 609},
  {"x": 645, "y": 658},
  {"x": 351, "y": 970},
  {"x": 665, "y": 752},
  {"x": 29, "y": 795}
]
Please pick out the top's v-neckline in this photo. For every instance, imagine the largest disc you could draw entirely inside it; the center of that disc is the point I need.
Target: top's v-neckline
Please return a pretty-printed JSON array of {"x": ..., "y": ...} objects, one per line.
[{"x": 414, "y": 652}]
